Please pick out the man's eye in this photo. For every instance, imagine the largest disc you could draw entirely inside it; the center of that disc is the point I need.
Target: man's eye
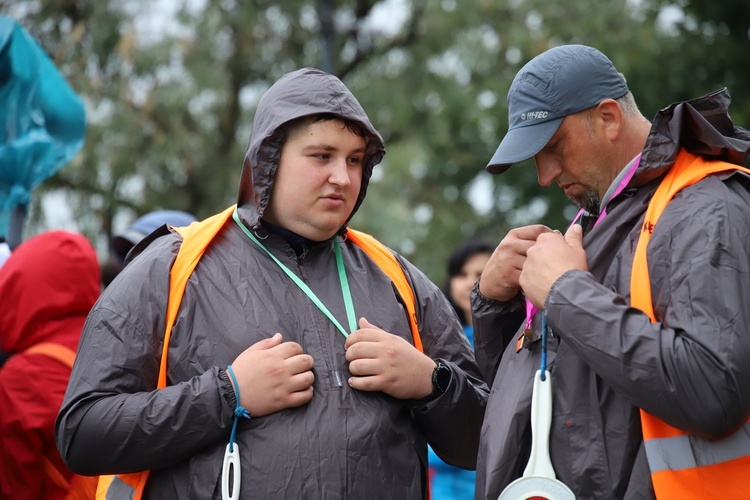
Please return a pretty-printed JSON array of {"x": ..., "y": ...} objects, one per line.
[{"x": 321, "y": 156}]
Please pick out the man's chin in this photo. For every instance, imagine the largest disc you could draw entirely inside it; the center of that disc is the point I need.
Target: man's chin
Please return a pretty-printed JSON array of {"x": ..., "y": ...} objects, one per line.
[
  {"x": 588, "y": 200},
  {"x": 323, "y": 232}
]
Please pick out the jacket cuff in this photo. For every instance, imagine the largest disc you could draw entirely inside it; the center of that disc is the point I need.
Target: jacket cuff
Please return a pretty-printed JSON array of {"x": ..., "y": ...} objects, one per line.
[
  {"x": 227, "y": 389},
  {"x": 481, "y": 305}
]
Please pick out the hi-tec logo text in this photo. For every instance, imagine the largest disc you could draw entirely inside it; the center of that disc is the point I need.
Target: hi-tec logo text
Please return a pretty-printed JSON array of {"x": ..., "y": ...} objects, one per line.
[{"x": 533, "y": 115}]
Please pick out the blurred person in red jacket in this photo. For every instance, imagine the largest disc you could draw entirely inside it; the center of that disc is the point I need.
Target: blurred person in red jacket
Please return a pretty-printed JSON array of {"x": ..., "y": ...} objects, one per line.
[{"x": 47, "y": 287}]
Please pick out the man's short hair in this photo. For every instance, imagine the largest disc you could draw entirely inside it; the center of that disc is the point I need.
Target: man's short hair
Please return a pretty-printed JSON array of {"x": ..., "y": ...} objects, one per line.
[{"x": 294, "y": 126}]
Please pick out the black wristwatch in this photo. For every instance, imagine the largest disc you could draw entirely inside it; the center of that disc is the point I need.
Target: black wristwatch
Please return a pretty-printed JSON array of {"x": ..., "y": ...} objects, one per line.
[{"x": 441, "y": 378}]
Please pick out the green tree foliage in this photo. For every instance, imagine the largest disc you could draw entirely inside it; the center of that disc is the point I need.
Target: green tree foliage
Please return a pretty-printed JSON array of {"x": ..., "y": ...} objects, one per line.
[
  {"x": 712, "y": 53},
  {"x": 170, "y": 99}
]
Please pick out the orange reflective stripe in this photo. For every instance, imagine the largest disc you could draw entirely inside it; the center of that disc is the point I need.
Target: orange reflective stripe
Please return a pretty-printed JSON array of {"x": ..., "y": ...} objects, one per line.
[
  {"x": 685, "y": 466},
  {"x": 56, "y": 351},
  {"x": 385, "y": 259},
  {"x": 688, "y": 451},
  {"x": 700, "y": 482}
]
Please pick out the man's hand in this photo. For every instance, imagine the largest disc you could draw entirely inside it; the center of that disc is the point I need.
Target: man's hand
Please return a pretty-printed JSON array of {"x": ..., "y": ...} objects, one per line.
[
  {"x": 500, "y": 277},
  {"x": 381, "y": 361},
  {"x": 549, "y": 258},
  {"x": 273, "y": 376}
]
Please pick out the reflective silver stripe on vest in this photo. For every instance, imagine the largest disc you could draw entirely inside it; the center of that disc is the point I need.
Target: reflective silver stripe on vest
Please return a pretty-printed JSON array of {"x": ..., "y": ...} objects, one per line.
[
  {"x": 686, "y": 452},
  {"x": 119, "y": 490}
]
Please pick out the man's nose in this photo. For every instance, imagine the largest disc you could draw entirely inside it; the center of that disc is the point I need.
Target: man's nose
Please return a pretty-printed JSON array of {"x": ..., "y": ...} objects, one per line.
[
  {"x": 340, "y": 173},
  {"x": 546, "y": 170}
]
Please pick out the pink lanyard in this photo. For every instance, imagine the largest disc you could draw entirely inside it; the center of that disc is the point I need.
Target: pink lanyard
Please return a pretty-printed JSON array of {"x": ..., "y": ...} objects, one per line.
[{"x": 531, "y": 309}]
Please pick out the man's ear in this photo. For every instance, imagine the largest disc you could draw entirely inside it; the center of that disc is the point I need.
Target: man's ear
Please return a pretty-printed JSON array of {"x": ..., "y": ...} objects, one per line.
[{"x": 610, "y": 116}]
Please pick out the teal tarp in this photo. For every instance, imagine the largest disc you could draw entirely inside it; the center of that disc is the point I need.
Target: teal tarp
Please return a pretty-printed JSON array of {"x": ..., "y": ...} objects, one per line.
[{"x": 43, "y": 120}]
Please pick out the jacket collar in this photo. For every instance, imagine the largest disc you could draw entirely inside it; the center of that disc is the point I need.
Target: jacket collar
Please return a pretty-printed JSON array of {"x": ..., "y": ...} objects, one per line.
[{"x": 701, "y": 126}]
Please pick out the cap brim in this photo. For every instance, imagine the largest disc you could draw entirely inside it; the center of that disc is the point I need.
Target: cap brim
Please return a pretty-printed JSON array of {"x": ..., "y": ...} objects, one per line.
[{"x": 521, "y": 143}]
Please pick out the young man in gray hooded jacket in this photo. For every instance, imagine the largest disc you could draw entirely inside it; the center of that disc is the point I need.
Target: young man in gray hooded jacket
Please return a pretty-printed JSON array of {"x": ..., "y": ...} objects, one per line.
[{"x": 331, "y": 416}]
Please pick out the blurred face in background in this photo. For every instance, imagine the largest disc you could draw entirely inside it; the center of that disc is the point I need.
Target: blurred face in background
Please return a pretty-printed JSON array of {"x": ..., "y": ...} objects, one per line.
[{"x": 462, "y": 283}]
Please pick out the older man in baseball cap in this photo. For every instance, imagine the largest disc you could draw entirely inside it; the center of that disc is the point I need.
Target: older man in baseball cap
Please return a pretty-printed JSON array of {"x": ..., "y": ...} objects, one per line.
[{"x": 563, "y": 303}]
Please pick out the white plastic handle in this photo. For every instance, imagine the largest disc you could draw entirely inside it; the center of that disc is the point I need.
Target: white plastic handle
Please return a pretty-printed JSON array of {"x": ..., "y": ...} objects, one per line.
[
  {"x": 541, "y": 419},
  {"x": 231, "y": 466},
  {"x": 538, "y": 480}
]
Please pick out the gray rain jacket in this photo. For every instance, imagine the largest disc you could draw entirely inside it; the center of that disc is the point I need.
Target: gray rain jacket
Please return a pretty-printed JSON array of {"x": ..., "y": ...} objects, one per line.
[
  {"x": 606, "y": 359},
  {"x": 344, "y": 443}
]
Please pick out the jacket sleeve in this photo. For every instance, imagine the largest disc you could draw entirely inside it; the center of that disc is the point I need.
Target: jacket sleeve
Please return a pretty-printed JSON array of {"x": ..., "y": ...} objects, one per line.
[
  {"x": 113, "y": 419},
  {"x": 691, "y": 367},
  {"x": 495, "y": 326},
  {"x": 451, "y": 422}
]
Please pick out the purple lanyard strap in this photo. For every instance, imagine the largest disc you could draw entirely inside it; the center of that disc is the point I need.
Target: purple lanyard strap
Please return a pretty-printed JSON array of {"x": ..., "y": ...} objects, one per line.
[{"x": 531, "y": 310}]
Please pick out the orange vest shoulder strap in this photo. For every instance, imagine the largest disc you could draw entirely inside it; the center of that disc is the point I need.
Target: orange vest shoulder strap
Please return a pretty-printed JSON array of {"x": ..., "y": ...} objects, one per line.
[
  {"x": 66, "y": 357},
  {"x": 56, "y": 351},
  {"x": 688, "y": 170},
  {"x": 728, "y": 475},
  {"x": 385, "y": 259},
  {"x": 195, "y": 239}
]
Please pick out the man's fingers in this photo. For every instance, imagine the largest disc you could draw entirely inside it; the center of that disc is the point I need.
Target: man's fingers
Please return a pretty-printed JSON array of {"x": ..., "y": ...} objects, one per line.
[
  {"x": 367, "y": 333},
  {"x": 574, "y": 235},
  {"x": 300, "y": 363},
  {"x": 299, "y": 398},
  {"x": 266, "y": 343},
  {"x": 288, "y": 349},
  {"x": 363, "y": 367},
  {"x": 363, "y": 347},
  {"x": 301, "y": 381},
  {"x": 363, "y": 323},
  {"x": 530, "y": 233}
]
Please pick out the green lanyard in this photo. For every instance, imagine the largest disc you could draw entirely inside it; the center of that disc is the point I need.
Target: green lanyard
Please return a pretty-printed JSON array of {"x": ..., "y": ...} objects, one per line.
[{"x": 345, "y": 291}]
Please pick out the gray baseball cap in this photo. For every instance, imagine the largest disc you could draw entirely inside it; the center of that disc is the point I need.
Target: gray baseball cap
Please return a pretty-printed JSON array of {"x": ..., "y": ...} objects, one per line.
[{"x": 556, "y": 83}]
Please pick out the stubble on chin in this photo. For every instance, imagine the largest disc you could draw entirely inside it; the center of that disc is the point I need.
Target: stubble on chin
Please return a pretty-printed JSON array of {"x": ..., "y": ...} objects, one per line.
[{"x": 589, "y": 201}]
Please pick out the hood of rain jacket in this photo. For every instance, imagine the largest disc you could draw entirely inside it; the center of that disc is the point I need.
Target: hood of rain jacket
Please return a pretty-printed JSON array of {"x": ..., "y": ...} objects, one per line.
[
  {"x": 295, "y": 95},
  {"x": 49, "y": 280}
]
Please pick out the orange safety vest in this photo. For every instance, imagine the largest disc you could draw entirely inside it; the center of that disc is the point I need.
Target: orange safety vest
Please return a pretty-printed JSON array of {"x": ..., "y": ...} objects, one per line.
[
  {"x": 684, "y": 466},
  {"x": 79, "y": 487},
  {"x": 195, "y": 239}
]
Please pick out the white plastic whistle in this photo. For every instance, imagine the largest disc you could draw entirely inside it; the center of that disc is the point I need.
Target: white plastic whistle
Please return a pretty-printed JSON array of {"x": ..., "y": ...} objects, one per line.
[
  {"x": 231, "y": 469},
  {"x": 538, "y": 480}
]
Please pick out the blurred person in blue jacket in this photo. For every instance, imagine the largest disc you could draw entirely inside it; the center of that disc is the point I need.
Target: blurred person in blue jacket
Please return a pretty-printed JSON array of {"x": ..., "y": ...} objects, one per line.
[{"x": 465, "y": 265}]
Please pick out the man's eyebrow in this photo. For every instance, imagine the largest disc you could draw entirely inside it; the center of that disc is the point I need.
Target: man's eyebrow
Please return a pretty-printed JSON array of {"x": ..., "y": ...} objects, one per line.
[{"x": 328, "y": 147}]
